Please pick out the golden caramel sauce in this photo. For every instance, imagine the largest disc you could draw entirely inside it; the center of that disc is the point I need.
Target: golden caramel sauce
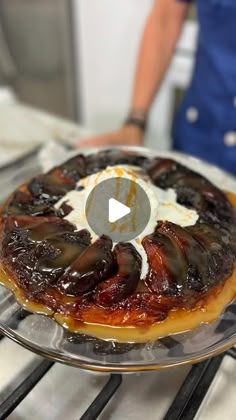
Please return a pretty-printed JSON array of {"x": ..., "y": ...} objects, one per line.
[
  {"x": 30, "y": 306},
  {"x": 232, "y": 198},
  {"x": 117, "y": 193},
  {"x": 178, "y": 321}
]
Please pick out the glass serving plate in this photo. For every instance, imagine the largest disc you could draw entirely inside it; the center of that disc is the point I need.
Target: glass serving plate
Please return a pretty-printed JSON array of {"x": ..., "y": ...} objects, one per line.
[{"x": 45, "y": 337}]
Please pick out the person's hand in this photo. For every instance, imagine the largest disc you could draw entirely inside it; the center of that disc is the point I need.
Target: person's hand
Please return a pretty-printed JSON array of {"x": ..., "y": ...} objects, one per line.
[{"x": 129, "y": 135}]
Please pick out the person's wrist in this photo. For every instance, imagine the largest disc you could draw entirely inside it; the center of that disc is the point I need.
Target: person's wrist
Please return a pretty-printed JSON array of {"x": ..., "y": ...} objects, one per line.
[
  {"x": 132, "y": 134},
  {"x": 132, "y": 129},
  {"x": 137, "y": 118}
]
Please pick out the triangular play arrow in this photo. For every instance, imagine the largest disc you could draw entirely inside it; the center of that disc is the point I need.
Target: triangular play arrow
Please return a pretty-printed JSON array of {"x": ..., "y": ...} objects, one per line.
[{"x": 117, "y": 210}]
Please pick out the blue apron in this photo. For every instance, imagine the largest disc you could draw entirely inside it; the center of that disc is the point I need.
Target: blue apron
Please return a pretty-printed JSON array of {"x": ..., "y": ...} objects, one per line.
[{"x": 205, "y": 125}]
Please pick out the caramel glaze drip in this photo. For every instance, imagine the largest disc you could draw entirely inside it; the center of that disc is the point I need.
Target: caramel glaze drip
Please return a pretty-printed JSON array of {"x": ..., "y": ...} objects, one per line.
[{"x": 54, "y": 265}]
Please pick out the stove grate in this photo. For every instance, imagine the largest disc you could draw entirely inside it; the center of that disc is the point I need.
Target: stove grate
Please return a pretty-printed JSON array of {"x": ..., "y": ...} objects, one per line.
[
  {"x": 190, "y": 396},
  {"x": 185, "y": 406},
  {"x": 13, "y": 398},
  {"x": 103, "y": 398}
]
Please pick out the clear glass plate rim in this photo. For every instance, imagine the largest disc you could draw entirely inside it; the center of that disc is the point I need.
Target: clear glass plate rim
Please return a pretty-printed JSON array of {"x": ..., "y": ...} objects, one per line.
[{"x": 110, "y": 367}]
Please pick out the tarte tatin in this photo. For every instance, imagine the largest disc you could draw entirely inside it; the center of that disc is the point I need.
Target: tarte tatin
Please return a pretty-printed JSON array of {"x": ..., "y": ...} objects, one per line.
[{"x": 93, "y": 286}]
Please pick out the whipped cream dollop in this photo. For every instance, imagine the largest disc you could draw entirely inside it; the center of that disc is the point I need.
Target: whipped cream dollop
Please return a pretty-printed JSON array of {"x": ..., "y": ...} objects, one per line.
[{"x": 163, "y": 204}]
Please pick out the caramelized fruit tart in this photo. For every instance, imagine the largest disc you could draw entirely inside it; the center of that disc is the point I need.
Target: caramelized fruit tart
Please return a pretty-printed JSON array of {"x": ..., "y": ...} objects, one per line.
[{"x": 171, "y": 279}]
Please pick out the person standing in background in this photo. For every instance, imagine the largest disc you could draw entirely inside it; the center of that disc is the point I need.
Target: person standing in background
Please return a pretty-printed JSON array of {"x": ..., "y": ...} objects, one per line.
[{"x": 205, "y": 124}]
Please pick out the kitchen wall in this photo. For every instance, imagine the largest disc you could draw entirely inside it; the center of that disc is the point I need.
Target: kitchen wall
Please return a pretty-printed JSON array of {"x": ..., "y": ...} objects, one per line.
[
  {"x": 107, "y": 35},
  {"x": 36, "y": 57}
]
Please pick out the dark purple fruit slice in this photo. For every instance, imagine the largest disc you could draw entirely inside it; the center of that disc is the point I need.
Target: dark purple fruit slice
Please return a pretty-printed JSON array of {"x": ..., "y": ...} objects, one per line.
[
  {"x": 125, "y": 282},
  {"x": 64, "y": 210},
  {"x": 220, "y": 245},
  {"x": 74, "y": 168},
  {"x": 165, "y": 172},
  {"x": 194, "y": 256},
  {"x": 99, "y": 161},
  {"x": 95, "y": 264},
  {"x": 167, "y": 267},
  {"x": 49, "y": 188},
  {"x": 193, "y": 190},
  {"x": 38, "y": 250},
  {"x": 22, "y": 203},
  {"x": 187, "y": 260}
]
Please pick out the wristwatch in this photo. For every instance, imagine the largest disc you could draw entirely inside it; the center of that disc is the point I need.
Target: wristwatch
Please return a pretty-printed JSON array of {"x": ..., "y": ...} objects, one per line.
[{"x": 137, "y": 118}]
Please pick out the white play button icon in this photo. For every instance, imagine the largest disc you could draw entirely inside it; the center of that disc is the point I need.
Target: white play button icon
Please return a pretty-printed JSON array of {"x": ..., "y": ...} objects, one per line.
[{"x": 117, "y": 210}]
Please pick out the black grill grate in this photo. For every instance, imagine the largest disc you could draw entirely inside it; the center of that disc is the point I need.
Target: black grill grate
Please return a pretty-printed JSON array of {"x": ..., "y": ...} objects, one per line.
[
  {"x": 13, "y": 398},
  {"x": 103, "y": 398},
  {"x": 190, "y": 396},
  {"x": 185, "y": 405}
]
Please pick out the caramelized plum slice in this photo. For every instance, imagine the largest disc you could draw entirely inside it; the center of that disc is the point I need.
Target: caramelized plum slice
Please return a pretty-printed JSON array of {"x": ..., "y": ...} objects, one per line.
[
  {"x": 200, "y": 251},
  {"x": 45, "y": 190},
  {"x": 125, "y": 282},
  {"x": 74, "y": 168},
  {"x": 197, "y": 192},
  {"x": 50, "y": 187},
  {"x": 17, "y": 228},
  {"x": 99, "y": 161},
  {"x": 167, "y": 266},
  {"x": 181, "y": 263},
  {"x": 70, "y": 245},
  {"x": 193, "y": 190},
  {"x": 95, "y": 264},
  {"x": 165, "y": 172},
  {"x": 38, "y": 251},
  {"x": 22, "y": 203},
  {"x": 38, "y": 228},
  {"x": 45, "y": 229},
  {"x": 196, "y": 257},
  {"x": 65, "y": 209},
  {"x": 221, "y": 248}
]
